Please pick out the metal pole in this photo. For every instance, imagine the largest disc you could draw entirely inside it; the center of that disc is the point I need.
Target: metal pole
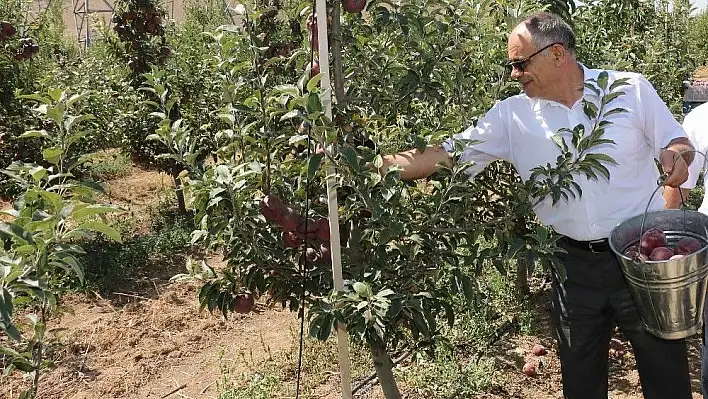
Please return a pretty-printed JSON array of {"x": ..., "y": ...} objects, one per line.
[
  {"x": 86, "y": 21},
  {"x": 335, "y": 241}
]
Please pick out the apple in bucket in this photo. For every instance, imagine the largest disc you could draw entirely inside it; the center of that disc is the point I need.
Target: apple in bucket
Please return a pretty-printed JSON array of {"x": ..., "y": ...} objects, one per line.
[
  {"x": 661, "y": 253},
  {"x": 687, "y": 245},
  {"x": 650, "y": 240}
]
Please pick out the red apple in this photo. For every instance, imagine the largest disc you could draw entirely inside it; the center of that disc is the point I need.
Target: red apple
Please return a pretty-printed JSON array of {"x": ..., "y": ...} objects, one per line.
[
  {"x": 326, "y": 256},
  {"x": 314, "y": 40},
  {"x": 290, "y": 219},
  {"x": 353, "y": 6},
  {"x": 272, "y": 208},
  {"x": 242, "y": 303},
  {"x": 308, "y": 228},
  {"x": 529, "y": 369},
  {"x": 652, "y": 238},
  {"x": 539, "y": 350},
  {"x": 311, "y": 22},
  {"x": 632, "y": 252},
  {"x": 661, "y": 253},
  {"x": 687, "y": 245},
  {"x": 312, "y": 255},
  {"x": 6, "y": 30},
  {"x": 314, "y": 68},
  {"x": 323, "y": 230},
  {"x": 291, "y": 240}
]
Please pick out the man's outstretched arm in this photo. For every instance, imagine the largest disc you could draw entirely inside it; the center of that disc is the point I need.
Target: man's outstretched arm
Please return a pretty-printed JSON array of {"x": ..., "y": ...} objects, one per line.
[{"x": 416, "y": 164}]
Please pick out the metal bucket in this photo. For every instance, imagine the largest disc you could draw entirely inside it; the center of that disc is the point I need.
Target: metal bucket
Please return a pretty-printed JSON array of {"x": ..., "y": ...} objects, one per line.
[{"x": 669, "y": 295}]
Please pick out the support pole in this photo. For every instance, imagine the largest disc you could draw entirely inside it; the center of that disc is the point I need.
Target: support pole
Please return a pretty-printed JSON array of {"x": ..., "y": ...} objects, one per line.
[{"x": 335, "y": 241}]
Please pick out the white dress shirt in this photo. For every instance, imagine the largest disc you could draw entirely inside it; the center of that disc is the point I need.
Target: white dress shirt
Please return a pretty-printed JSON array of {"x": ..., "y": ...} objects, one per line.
[
  {"x": 696, "y": 125},
  {"x": 519, "y": 130}
]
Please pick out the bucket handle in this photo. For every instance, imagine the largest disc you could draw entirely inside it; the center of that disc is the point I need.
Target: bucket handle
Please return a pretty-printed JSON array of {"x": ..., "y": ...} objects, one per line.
[{"x": 660, "y": 183}]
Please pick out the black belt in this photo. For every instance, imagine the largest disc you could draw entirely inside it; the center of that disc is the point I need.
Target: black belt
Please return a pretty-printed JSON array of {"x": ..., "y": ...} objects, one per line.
[{"x": 600, "y": 245}]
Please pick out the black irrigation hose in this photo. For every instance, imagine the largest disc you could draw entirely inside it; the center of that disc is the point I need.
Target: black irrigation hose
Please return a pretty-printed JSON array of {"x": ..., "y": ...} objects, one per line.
[{"x": 303, "y": 263}]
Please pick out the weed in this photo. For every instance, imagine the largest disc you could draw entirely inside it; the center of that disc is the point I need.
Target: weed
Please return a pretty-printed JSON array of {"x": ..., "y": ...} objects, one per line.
[
  {"x": 107, "y": 165},
  {"x": 140, "y": 257}
]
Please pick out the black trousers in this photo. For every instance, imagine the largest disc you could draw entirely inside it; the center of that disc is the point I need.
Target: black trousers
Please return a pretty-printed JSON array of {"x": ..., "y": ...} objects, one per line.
[{"x": 586, "y": 308}]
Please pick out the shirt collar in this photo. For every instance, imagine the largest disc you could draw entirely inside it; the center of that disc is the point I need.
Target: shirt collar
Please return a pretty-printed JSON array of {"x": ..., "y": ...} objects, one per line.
[{"x": 539, "y": 103}]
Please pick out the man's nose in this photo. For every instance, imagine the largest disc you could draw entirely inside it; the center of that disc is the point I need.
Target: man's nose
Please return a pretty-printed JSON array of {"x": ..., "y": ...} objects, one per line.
[{"x": 516, "y": 73}]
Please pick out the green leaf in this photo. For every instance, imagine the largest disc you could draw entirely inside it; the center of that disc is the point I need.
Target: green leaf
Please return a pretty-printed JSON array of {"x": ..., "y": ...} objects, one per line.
[
  {"x": 314, "y": 165},
  {"x": 52, "y": 198},
  {"x": 75, "y": 98},
  {"x": 419, "y": 323},
  {"x": 292, "y": 114},
  {"x": 313, "y": 103},
  {"x": 52, "y": 154},
  {"x": 72, "y": 121},
  {"x": 351, "y": 157},
  {"x": 619, "y": 83},
  {"x": 74, "y": 265},
  {"x": 313, "y": 83},
  {"x": 23, "y": 364},
  {"x": 6, "y": 311},
  {"x": 100, "y": 227},
  {"x": 34, "y": 133},
  {"x": 610, "y": 97},
  {"x": 612, "y": 112},
  {"x": 82, "y": 211},
  {"x": 378, "y": 161},
  {"x": 363, "y": 289},
  {"x": 13, "y": 230},
  {"x": 602, "y": 80},
  {"x": 515, "y": 246},
  {"x": 325, "y": 329},
  {"x": 601, "y": 157},
  {"x": 560, "y": 141},
  {"x": 467, "y": 287}
]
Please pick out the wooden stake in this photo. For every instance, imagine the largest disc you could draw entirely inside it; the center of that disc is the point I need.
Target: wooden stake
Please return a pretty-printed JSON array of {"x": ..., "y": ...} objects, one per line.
[{"x": 335, "y": 241}]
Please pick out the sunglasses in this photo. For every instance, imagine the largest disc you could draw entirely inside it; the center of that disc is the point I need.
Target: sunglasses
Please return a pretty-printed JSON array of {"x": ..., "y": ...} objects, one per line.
[{"x": 520, "y": 65}]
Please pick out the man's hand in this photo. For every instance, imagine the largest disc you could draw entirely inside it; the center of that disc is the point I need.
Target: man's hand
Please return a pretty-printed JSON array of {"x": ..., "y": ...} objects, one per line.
[
  {"x": 674, "y": 160},
  {"x": 674, "y": 167}
]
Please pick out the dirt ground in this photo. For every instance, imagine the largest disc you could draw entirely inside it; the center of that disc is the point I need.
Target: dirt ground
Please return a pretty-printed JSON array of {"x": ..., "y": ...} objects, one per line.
[{"x": 149, "y": 340}]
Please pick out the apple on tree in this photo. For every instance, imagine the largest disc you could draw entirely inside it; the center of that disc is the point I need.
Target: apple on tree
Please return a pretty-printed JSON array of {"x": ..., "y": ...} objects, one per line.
[
  {"x": 314, "y": 68},
  {"x": 242, "y": 303},
  {"x": 353, "y": 6}
]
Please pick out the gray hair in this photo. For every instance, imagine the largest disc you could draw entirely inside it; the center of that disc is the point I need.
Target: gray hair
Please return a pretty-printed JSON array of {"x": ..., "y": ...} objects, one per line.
[{"x": 547, "y": 28}]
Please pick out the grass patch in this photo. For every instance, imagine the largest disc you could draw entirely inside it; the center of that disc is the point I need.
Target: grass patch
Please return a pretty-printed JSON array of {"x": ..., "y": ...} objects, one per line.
[
  {"x": 107, "y": 165},
  {"x": 276, "y": 376},
  {"x": 448, "y": 376},
  {"x": 140, "y": 259}
]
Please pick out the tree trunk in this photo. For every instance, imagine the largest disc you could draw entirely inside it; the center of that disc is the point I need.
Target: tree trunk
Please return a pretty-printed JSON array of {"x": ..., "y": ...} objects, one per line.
[
  {"x": 180, "y": 195},
  {"x": 336, "y": 46},
  {"x": 522, "y": 279},
  {"x": 384, "y": 371}
]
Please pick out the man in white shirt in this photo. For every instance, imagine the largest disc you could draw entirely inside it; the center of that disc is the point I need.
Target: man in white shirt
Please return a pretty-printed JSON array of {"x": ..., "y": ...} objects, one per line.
[
  {"x": 519, "y": 129},
  {"x": 695, "y": 125}
]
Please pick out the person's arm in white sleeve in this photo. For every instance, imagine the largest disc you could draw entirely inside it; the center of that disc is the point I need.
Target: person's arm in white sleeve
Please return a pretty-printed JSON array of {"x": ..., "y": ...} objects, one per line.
[
  {"x": 664, "y": 134},
  {"x": 691, "y": 125},
  {"x": 493, "y": 144}
]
